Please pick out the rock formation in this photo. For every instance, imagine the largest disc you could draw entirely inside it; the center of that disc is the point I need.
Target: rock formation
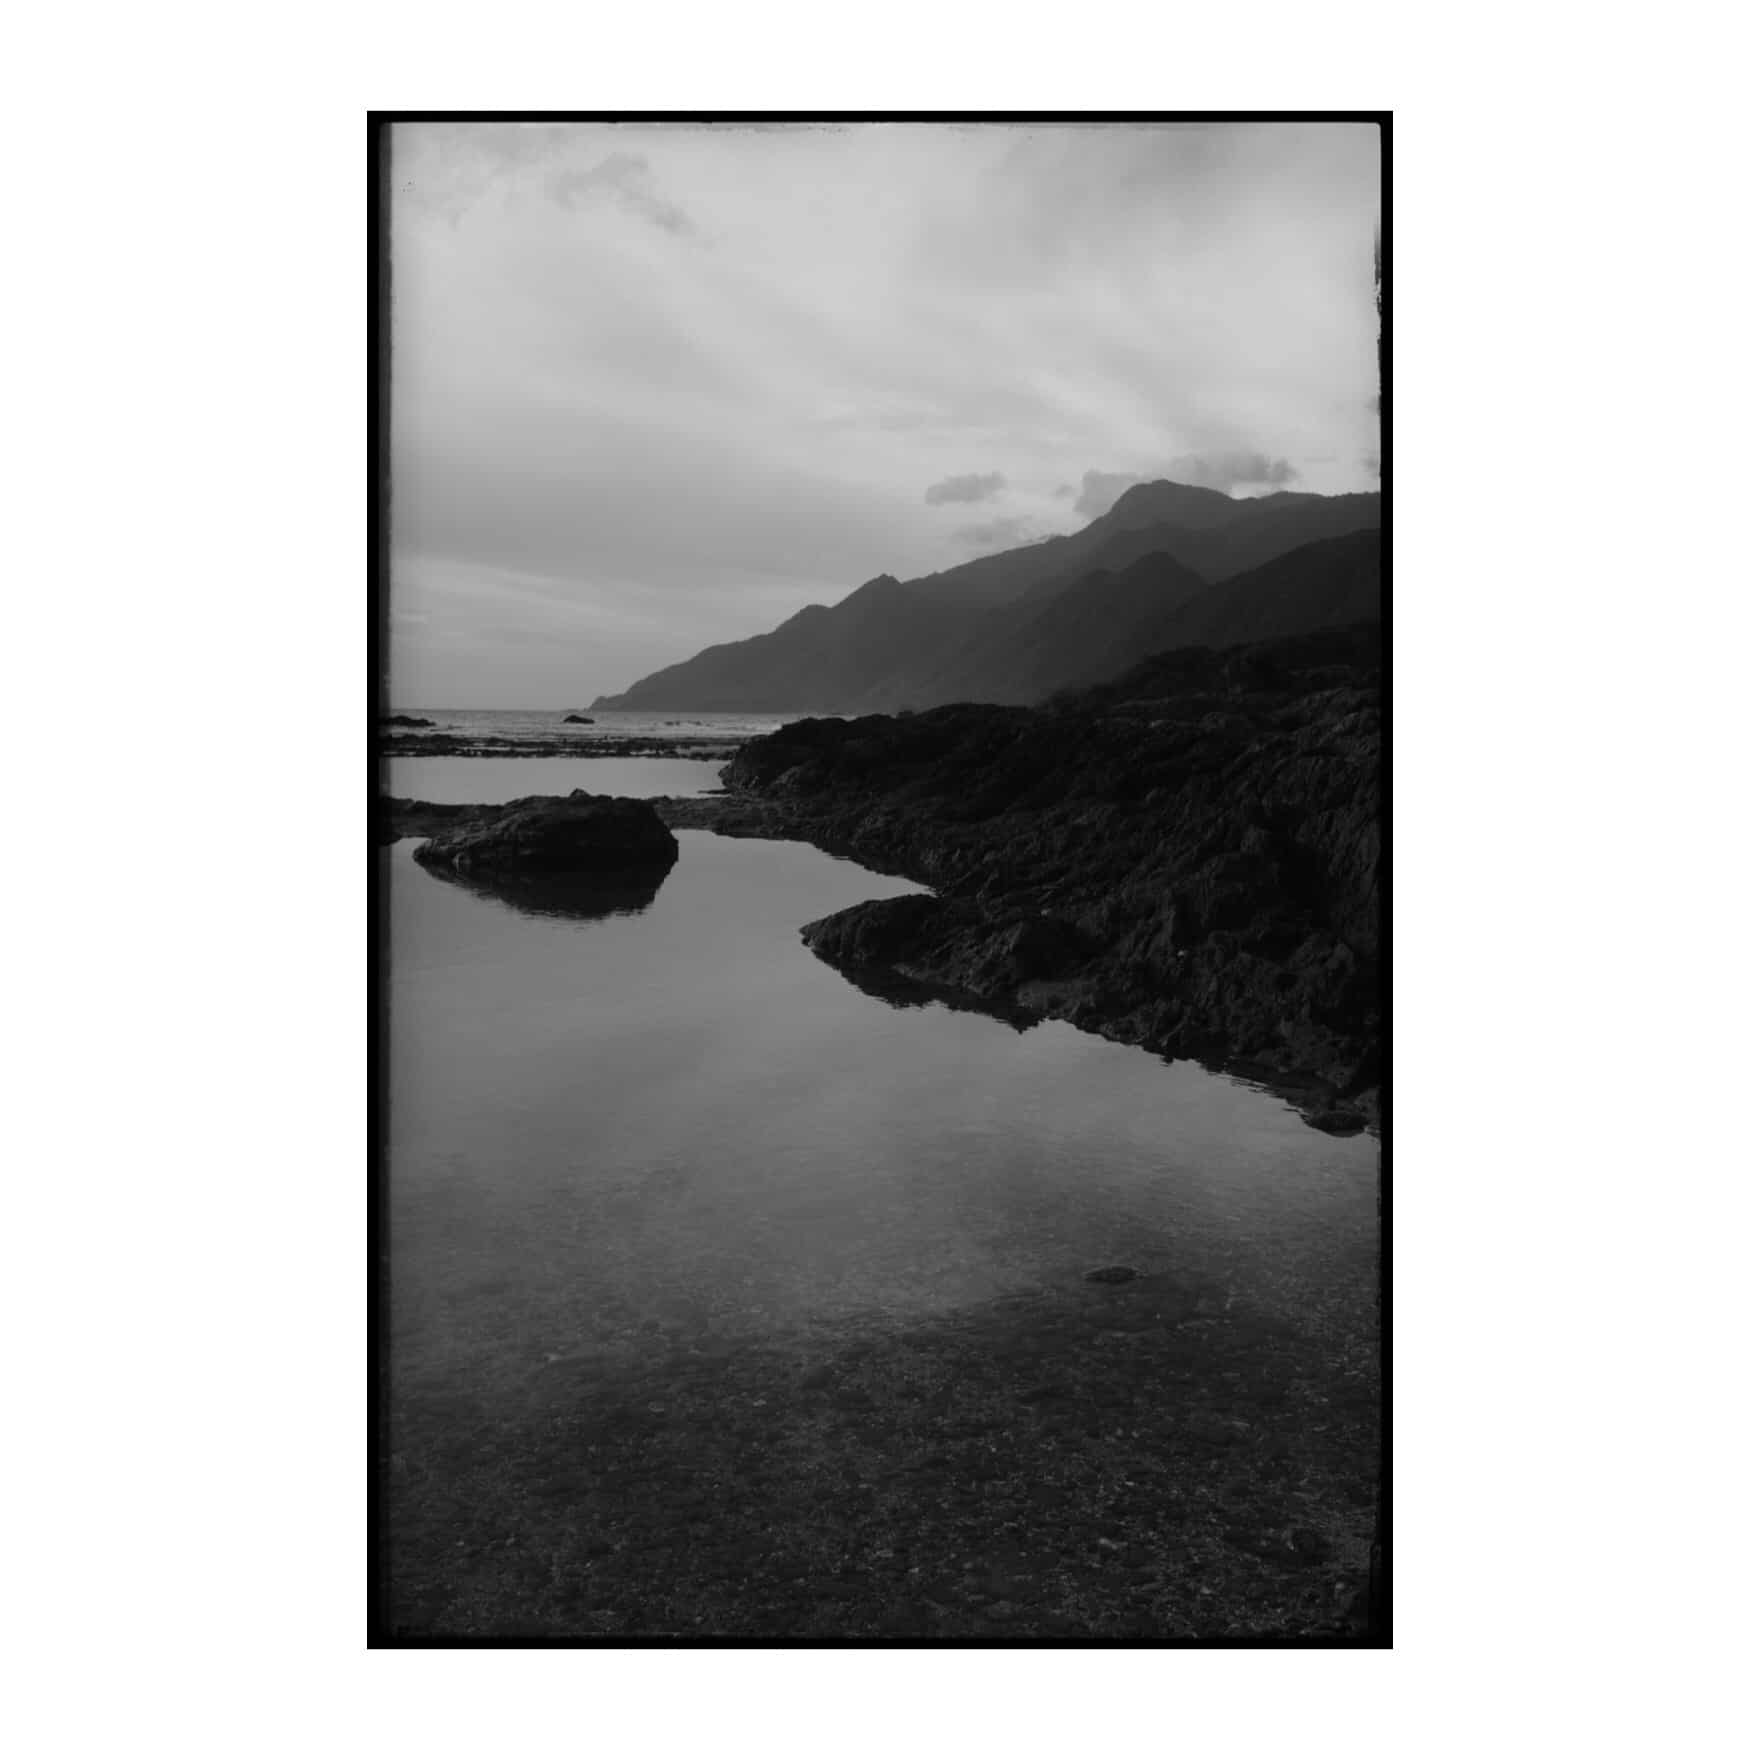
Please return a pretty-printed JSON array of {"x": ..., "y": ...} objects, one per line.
[
  {"x": 1188, "y": 858},
  {"x": 578, "y": 833}
]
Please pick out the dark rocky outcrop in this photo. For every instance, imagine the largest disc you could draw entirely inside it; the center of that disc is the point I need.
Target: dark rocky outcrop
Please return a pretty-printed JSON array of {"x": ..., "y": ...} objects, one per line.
[
  {"x": 578, "y": 833},
  {"x": 581, "y": 720},
  {"x": 404, "y": 721},
  {"x": 1187, "y": 858}
]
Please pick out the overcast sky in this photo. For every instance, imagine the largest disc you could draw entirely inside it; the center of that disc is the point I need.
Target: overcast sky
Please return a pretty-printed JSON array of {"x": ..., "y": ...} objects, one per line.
[{"x": 656, "y": 387}]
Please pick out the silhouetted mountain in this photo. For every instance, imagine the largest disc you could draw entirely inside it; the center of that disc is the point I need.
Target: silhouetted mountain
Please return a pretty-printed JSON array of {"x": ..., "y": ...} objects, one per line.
[
  {"x": 1014, "y": 626},
  {"x": 1088, "y": 632},
  {"x": 1323, "y": 585},
  {"x": 1218, "y": 545},
  {"x": 1102, "y": 624},
  {"x": 824, "y": 657}
]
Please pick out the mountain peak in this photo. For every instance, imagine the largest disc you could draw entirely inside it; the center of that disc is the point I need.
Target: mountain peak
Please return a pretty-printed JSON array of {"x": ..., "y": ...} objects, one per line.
[
  {"x": 1011, "y": 626},
  {"x": 1163, "y": 499}
]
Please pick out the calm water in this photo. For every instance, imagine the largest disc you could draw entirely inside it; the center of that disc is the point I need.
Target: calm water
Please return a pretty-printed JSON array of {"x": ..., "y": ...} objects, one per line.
[
  {"x": 507, "y": 779},
  {"x": 658, "y": 1178},
  {"x": 679, "y": 1110}
]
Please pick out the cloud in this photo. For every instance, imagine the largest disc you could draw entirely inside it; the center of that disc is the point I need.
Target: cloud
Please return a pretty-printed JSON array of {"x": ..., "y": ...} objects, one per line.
[
  {"x": 685, "y": 444},
  {"x": 972, "y": 488},
  {"x": 1001, "y": 534},
  {"x": 628, "y": 179},
  {"x": 1226, "y": 471},
  {"x": 1229, "y": 471}
]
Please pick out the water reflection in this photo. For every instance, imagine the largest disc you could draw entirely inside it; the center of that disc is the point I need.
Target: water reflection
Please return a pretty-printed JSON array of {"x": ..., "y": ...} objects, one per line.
[
  {"x": 725, "y": 1301},
  {"x": 582, "y": 898},
  {"x": 893, "y": 988}
]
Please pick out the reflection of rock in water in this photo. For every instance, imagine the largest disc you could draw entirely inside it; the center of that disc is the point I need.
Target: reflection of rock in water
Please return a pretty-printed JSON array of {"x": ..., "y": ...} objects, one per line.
[
  {"x": 897, "y": 991},
  {"x": 577, "y": 855},
  {"x": 583, "y": 897}
]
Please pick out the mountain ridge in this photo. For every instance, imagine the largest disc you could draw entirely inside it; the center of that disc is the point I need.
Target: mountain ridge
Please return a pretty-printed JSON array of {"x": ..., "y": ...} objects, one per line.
[{"x": 992, "y": 625}]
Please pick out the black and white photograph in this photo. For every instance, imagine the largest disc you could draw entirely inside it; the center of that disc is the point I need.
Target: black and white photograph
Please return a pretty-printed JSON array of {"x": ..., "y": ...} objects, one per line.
[
  {"x": 958, "y": 1087},
  {"x": 879, "y": 749}
]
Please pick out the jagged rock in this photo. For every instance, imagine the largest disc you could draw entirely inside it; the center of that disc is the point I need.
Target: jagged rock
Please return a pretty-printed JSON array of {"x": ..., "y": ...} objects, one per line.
[
  {"x": 964, "y": 943},
  {"x": 1336, "y": 1121},
  {"x": 580, "y": 720},
  {"x": 1187, "y": 858},
  {"x": 574, "y": 833},
  {"x": 404, "y": 721}
]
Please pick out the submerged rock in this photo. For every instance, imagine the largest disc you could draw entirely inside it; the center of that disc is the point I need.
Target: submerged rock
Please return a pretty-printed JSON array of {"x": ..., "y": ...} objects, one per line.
[
  {"x": 580, "y": 720},
  {"x": 578, "y": 833},
  {"x": 1112, "y": 1274},
  {"x": 404, "y": 721}
]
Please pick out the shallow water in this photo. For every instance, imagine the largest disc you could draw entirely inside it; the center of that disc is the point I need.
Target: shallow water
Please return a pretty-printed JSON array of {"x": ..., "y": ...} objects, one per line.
[
  {"x": 491, "y": 780},
  {"x": 629, "y": 1138}
]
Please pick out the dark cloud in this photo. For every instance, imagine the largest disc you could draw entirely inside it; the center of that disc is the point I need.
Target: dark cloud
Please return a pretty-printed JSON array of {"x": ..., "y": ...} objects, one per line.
[
  {"x": 972, "y": 488},
  {"x": 627, "y": 178},
  {"x": 1226, "y": 471},
  {"x": 1000, "y": 534}
]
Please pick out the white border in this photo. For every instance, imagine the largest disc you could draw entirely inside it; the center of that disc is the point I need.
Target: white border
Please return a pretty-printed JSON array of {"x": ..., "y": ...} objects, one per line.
[{"x": 185, "y": 312}]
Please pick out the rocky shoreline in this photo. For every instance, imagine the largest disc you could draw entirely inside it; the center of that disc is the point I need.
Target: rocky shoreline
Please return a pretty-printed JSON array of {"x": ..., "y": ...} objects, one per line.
[{"x": 1187, "y": 858}]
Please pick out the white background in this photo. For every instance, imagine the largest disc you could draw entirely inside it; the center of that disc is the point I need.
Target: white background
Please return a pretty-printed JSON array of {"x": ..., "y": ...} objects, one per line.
[{"x": 1574, "y": 457}]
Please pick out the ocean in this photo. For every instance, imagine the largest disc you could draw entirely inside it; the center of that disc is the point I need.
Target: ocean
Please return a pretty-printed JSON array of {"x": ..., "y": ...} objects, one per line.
[{"x": 409, "y": 775}]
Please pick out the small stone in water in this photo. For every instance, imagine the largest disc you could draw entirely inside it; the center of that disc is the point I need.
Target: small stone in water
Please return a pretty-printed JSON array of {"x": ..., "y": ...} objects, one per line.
[{"x": 1112, "y": 1274}]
